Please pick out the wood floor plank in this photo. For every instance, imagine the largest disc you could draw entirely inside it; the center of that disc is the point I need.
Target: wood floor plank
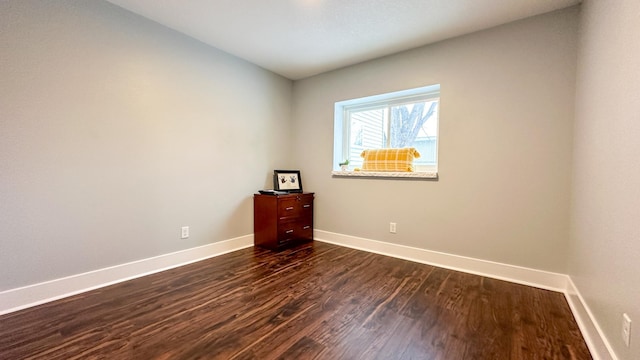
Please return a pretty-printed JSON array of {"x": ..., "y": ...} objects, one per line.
[{"x": 314, "y": 301}]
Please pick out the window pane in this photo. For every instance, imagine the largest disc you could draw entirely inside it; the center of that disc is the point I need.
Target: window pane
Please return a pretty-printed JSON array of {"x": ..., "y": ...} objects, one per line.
[
  {"x": 367, "y": 131},
  {"x": 416, "y": 125}
]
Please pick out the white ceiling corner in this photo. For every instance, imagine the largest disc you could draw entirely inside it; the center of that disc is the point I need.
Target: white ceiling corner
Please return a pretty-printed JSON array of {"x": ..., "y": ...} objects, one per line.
[{"x": 301, "y": 38}]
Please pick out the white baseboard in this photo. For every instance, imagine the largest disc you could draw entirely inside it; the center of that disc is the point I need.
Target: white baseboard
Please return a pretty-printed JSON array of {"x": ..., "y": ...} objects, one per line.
[
  {"x": 32, "y": 295},
  {"x": 593, "y": 335},
  {"x": 591, "y": 331},
  {"x": 517, "y": 274}
]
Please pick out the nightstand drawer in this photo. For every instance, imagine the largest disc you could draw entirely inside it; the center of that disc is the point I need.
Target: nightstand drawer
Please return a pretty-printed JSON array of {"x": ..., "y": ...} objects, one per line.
[
  {"x": 295, "y": 230},
  {"x": 295, "y": 206},
  {"x": 288, "y": 208}
]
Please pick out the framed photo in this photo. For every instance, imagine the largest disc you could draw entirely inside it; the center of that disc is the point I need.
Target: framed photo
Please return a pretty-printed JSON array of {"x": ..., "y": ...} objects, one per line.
[{"x": 287, "y": 180}]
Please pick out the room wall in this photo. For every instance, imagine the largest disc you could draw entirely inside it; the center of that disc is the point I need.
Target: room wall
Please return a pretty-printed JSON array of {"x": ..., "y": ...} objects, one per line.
[
  {"x": 507, "y": 102},
  {"x": 605, "y": 236},
  {"x": 116, "y": 131}
]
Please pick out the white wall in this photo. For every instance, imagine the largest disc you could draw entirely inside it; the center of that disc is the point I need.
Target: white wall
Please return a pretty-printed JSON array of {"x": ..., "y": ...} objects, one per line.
[
  {"x": 116, "y": 131},
  {"x": 506, "y": 121},
  {"x": 604, "y": 252}
]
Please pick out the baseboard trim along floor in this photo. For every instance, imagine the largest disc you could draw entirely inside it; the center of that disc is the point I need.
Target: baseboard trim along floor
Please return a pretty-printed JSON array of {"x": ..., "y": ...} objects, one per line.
[
  {"x": 32, "y": 295},
  {"x": 593, "y": 335},
  {"x": 521, "y": 275}
]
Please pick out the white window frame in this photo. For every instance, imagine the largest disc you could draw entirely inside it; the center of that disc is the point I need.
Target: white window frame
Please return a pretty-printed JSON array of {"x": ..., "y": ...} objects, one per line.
[{"x": 341, "y": 131}]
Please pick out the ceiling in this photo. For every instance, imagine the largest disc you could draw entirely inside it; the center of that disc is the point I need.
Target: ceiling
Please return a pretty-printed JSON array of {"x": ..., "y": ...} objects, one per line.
[{"x": 301, "y": 38}]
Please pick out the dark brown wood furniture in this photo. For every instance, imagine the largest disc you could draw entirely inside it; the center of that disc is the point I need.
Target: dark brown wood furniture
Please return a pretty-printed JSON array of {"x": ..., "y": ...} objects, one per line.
[{"x": 282, "y": 220}]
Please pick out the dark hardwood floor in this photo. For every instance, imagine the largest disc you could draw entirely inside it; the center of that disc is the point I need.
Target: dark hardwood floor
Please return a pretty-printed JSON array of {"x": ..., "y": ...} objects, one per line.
[{"x": 315, "y": 301}]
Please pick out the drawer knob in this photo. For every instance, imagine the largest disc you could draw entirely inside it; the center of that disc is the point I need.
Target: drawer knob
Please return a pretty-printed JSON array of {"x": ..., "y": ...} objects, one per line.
[
  {"x": 289, "y": 231},
  {"x": 289, "y": 208},
  {"x": 306, "y": 227},
  {"x": 306, "y": 205}
]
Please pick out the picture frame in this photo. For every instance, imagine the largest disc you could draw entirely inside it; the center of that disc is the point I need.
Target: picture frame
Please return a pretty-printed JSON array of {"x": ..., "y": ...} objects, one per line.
[{"x": 287, "y": 180}]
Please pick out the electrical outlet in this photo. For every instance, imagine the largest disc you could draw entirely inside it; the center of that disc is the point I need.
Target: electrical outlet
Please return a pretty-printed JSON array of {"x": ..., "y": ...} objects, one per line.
[
  {"x": 185, "y": 232},
  {"x": 626, "y": 329},
  {"x": 392, "y": 228}
]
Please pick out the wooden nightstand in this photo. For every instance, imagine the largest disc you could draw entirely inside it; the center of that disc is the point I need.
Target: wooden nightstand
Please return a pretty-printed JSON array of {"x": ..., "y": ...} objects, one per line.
[{"x": 282, "y": 220}]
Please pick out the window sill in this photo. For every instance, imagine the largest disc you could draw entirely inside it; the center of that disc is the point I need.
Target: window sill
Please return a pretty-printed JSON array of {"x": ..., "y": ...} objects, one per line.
[{"x": 419, "y": 175}]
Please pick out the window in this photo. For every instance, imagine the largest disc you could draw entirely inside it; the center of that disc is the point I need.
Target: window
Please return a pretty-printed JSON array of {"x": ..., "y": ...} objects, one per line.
[{"x": 400, "y": 119}]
